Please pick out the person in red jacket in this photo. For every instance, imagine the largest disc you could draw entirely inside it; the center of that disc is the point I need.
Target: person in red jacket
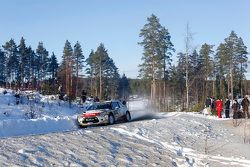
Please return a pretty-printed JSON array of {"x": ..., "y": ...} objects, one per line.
[{"x": 219, "y": 105}]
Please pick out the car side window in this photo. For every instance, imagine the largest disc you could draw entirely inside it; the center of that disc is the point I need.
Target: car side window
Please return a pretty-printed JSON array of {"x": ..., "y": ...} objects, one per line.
[
  {"x": 114, "y": 105},
  {"x": 91, "y": 108},
  {"x": 120, "y": 104}
]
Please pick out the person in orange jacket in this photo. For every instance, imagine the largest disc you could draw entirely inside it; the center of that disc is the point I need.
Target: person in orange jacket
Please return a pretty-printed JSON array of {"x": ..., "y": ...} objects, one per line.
[{"x": 219, "y": 105}]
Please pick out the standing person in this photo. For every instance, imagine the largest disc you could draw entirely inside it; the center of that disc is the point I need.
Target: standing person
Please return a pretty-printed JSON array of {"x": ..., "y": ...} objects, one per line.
[
  {"x": 227, "y": 107},
  {"x": 219, "y": 105},
  {"x": 208, "y": 105},
  {"x": 17, "y": 96},
  {"x": 60, "y": 89},
  {"x": 96, "y": 99},
  {"x": 213, "y": 105},
  {"x": 208, "y": 102},
  {"x": 83, "y": 96},
  {"x": 60, "y": 92},
  {"x": 245, "y": 104},
  {"x": 236, "y": 108}
]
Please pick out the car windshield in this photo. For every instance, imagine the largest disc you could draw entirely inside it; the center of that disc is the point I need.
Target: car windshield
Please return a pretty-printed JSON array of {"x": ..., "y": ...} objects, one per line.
[
  {"x": 96, "y": 106},
  {"x": 103, "y": 106}
]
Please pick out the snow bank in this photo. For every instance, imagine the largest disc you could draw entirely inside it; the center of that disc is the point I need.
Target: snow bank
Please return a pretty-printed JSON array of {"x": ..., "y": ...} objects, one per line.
[
  {"x": 51, "y": 115},
  {"x": 35, "y": 126}
]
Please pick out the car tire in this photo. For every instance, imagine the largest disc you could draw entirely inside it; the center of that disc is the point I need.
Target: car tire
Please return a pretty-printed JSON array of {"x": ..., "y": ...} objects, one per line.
[
  {"x": 111, "y": 119},
  {"x": 81, "y": 126},
  {"x": 128, "y": 116}
]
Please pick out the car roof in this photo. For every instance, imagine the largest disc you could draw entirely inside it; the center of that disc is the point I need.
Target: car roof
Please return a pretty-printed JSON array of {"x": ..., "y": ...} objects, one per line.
[
  {"x": 103, "y": 102},
  {"x": 112, "y": 101}
]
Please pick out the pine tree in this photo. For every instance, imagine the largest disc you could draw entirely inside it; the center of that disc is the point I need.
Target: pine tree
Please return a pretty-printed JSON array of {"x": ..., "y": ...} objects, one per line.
[
  {"x": 101, "y": 60},
  {"x": 92, "y": 71},
  {"x": 67, "y": 68},
  {"x": 103, "y": 73},
  {"x": 242, "y": 59},
  {"x": 220, "y": 69},
  {"x": 79, "y": 60},
  {"x": 42, "y": 54},
  {"x": 180, "y": 74},
  {"x": 157, "y": 51},
  {"x": 196, "y": 76},
  {"x": 111, "y": 79},
  {"x": 124, "y": 87},
  {"x": 12, "y": 62},
  {"x": 177, "y": 83},
  {"x": 2, "y": 67},
  {"x": 206, "y": 64},
  {"x": 23, "y": 60},
  {"x": 53, "y": 66},
  {"x": 29, "y": 65},
  {"x": 231, "y": 61}
]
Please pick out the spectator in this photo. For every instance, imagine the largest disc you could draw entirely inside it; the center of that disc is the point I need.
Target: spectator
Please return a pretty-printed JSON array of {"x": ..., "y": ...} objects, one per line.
[
  {"x": 236, "y": 110},
  {"x": 17, "y": 96},
  {"x": 96, "y": 99},
  {"x": 245, "y": 105},
  {"x": 60, "y": 89},
  {"x": 83, "y": 96},
  {"x": 208, "y": 105},
  {"x": 124, "y": 102},
  {"x": 213, "y": 105},
  {"x": 219, "y": 105},
  {"x": 208, "y": 102},
  {"x": 227, "y": 107}
]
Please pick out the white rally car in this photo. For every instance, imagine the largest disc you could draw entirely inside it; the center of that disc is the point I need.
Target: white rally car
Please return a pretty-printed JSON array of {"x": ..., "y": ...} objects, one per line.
[{"x": 104, "y": 113}]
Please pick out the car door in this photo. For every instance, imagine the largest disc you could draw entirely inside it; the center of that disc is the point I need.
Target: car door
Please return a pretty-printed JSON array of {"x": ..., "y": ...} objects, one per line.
[
  {"x": 123, "y": 109},
  {"x": 116, "y": 109}
]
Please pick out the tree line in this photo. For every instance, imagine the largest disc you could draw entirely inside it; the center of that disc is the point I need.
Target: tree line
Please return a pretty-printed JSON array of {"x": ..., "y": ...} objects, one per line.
[
  {"x": 209, "y": 71},
  {"x": 24, "y": 68},
  {"x": 21, "y": 66}
]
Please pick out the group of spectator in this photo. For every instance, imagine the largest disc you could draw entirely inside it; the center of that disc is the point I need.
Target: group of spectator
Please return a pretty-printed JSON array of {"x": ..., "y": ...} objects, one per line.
[{"x": 216, "y": 107}]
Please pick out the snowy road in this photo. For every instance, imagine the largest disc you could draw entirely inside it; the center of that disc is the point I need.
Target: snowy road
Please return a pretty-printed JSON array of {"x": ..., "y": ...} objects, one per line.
[
  {"x": 173, "y": 139},
  {"x": 162, "y": 139}
]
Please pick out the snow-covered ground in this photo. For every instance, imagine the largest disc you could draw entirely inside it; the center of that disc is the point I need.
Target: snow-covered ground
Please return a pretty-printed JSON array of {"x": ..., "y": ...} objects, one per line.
[
  {"x": 150, "y": 139},
  {"x": 48, "y": 116}
]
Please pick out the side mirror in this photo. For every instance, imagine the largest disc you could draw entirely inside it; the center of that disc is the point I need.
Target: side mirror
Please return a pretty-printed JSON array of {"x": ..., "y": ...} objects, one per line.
[
  {"x": 124, "y": 103},
  {"x": 116, "y": 108}
]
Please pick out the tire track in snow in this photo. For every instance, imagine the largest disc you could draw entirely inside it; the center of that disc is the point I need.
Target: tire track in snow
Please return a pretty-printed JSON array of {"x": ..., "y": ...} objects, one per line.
[{"x": 189, "y": 156}]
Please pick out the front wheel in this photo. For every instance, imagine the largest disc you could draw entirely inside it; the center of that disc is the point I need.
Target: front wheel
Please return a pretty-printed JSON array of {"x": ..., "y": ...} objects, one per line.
[
  {"x": 128, "y": 116},
  {"x": 111, "y": 119}
]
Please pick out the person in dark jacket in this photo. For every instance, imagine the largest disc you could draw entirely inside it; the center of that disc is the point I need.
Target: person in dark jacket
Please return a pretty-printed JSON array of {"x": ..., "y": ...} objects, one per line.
[
  {"x": 245, "y": 104},
  {"x": 213, "y": 105},
  {"x": 17, "y": 96},
  {"x": 208, "y": 102},
  {"x": 83, "y": 96},
  {"x": 208, "y": 105},
  {"x": 236, "y": 110},
  {"x": 227, "y": 107},
  {"x": 96, "y": 99}
]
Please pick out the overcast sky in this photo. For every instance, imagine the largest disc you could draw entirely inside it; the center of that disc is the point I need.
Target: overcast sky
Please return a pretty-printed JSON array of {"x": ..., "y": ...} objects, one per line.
[{"x": 117, "y": 24}]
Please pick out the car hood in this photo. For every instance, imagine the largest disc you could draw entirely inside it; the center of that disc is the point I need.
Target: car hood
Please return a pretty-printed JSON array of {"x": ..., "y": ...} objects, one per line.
[{"x": 94, "y": 111}]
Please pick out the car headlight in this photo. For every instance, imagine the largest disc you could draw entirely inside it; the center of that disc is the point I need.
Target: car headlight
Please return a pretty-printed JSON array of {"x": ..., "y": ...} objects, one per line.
[
  {"x": 102, "y": 114},
  {"x": 106, "y": 116}
]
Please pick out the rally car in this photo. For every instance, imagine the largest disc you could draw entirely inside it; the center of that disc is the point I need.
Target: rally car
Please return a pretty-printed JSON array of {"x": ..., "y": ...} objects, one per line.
[{"x": 104, "y": 113}]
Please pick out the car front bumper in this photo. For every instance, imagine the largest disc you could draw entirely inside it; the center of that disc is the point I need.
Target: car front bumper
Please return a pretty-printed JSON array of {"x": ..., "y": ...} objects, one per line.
[{"x": 88, "y": 121}]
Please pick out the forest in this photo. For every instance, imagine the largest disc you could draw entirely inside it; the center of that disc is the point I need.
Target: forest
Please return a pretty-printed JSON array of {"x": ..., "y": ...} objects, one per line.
[{"x": 215, "y": 71}]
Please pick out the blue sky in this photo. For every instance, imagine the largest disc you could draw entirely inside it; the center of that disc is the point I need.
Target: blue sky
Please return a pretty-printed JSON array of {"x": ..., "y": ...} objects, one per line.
[{"x": 117, "y": 24}]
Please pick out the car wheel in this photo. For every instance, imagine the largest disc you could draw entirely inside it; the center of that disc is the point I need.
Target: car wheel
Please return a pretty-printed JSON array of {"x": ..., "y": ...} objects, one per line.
[
  {"x": 81, "y": 126},
  {"x": 111, "y": 119},
  {"x": 128, "y": 116}
]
